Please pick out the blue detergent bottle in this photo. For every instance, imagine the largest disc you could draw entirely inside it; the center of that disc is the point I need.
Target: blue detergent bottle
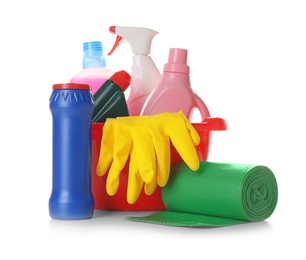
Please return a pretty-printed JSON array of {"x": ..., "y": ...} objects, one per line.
[{"x": 72, "y": 106}]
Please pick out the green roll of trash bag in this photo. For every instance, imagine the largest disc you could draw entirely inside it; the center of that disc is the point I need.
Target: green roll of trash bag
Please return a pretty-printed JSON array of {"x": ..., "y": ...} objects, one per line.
[{"x": 218, "y": 194}]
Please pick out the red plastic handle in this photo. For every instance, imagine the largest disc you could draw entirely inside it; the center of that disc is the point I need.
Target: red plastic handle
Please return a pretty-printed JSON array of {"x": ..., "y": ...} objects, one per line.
[{"x": 213, "y": 123}]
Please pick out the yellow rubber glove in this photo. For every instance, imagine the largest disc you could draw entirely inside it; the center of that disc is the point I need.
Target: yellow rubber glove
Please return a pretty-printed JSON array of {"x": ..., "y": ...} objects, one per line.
[{"x": 145, "y": 140}]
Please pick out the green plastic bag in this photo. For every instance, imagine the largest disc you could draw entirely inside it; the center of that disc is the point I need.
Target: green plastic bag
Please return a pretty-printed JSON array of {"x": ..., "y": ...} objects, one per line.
[{"x": 218, "y": 194}]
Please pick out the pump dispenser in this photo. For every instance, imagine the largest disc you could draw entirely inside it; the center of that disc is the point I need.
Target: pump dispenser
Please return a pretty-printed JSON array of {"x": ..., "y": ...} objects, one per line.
[
  {"x": 94, "y": 70},
  {"x": 145, "y": 74},
  {"x": 174, "y": 92}
]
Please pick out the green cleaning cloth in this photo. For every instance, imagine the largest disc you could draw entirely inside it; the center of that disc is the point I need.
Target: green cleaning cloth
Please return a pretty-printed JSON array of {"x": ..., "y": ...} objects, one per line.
[{"x": 218, "y": 194}]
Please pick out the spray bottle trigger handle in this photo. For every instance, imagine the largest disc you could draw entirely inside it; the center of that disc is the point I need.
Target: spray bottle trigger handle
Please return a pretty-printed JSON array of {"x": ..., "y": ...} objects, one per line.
[{"x": 118, "y": 40}]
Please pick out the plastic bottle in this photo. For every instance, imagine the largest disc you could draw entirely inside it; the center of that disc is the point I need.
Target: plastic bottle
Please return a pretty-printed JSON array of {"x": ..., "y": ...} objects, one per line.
[
  {"x": 110, "y": 99},
  {"x": 145, "y": 74},
  {"x": 72, "y": 106},
  {"x": 94, "y": 70},
  {"x": 174, "y": 91}
]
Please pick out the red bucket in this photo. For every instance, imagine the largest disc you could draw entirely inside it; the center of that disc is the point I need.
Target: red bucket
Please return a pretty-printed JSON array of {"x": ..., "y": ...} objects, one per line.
[{"x": 153, "y": 202}]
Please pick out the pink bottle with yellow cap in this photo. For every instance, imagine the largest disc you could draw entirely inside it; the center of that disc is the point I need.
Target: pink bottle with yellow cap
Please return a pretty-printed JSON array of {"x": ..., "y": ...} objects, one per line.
[{"x": 174, "y": 92}]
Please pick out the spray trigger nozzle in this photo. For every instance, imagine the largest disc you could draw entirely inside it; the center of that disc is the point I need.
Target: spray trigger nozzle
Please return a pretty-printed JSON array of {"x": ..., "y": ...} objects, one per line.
[{"x": 118, "y": 40}]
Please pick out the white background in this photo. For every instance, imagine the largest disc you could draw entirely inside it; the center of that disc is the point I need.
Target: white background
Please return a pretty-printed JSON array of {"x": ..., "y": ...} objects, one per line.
[{"x": 248, "y": 63}]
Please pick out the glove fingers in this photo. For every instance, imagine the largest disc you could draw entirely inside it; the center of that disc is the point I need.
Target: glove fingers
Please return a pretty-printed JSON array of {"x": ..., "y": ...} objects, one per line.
[
  {"x": 145, "y": 152},
  {"x": 195, "y": 137},
  {"x": 150, "y": 187},
  {"x": 121, "y": 152},
  {"x": 135, "y": 181},
  {"x": 183, "y": 137},
  {"x": 186, "y": 150},
  {"x": 106, "y": 149},
  {"x": 163, "y": 159}
]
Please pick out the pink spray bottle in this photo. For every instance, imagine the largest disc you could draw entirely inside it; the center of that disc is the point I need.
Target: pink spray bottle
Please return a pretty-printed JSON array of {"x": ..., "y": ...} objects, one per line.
[
  {"x": 174, "y": 92},
  {"x": 145, "y": 74}
]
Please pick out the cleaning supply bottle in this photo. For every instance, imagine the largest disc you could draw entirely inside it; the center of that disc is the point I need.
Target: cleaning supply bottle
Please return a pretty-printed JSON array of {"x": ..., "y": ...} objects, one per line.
[
  {"x": 174, "y": 92},
  {"x": 145, "y": 74},
  {"x": 110, "y": 99},
  {"x": 94, "y": 70},
  {"x": 71, "y": 105}
]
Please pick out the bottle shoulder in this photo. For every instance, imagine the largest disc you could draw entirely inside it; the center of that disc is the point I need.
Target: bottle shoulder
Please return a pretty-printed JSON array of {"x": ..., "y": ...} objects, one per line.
[{"x": 99, "y": 72}]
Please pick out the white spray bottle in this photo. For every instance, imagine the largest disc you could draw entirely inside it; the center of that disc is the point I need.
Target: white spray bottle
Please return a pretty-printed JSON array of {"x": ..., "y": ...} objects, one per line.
[{"x": 145, "y": 74}]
